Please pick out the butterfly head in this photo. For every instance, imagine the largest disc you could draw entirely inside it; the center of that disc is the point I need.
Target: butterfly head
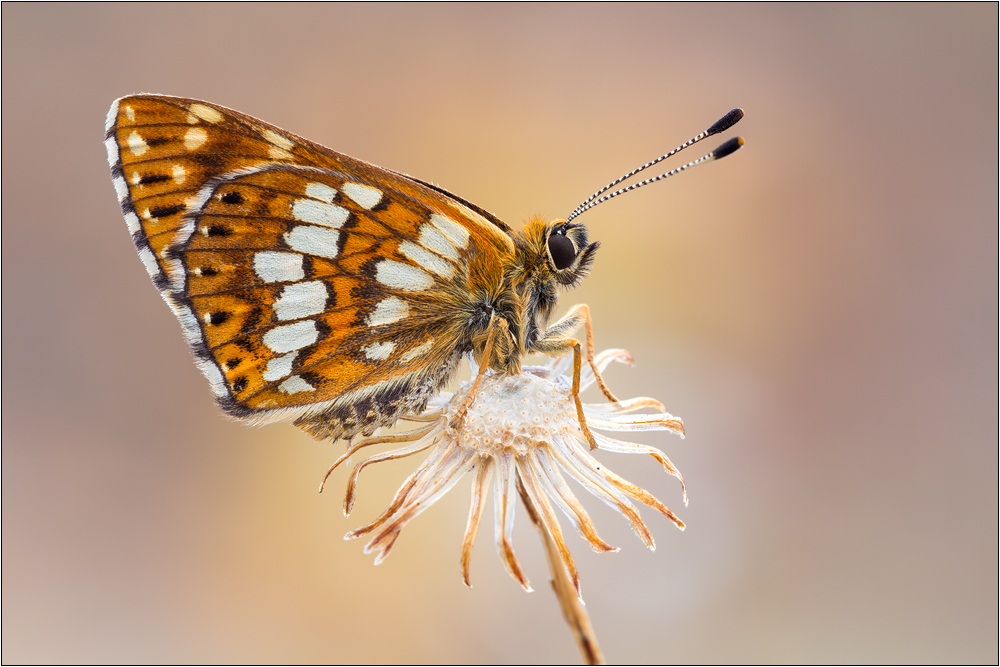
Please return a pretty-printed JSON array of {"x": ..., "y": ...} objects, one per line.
[
  {"x": 551, "y": 255},
  {"x": 568, "y": 251}
]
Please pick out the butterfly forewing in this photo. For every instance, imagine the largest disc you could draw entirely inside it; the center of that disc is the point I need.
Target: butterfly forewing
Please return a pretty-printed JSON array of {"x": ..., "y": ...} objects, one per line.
[{"x": 308, "y": 283}]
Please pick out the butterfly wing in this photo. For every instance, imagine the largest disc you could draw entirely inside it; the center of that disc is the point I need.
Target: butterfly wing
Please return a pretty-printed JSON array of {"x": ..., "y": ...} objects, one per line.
[{"x": 310, "y": 285}]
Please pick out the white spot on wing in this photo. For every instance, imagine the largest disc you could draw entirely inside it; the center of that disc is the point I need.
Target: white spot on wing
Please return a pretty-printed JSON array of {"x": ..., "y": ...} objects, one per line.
[
  {"x": 295, "y": 384},
  {"x": 130, "y": 113},
  {"x": 431, "y": 237},
  {"x": 112, "y": 145},
  {"x": 320, "y": 191},
  {"x": 319, "y": 213},
  {"x": 120, "y": 187},
  {"x": 179, "y": 173},
  {"x": 301, "y": 300},
  {"x": 389, "y": 310},
  {"x": 279, "y": 367},
  {"x": 206, "y": 113},
  {"x": 137, "y": 144},
  {"x": 278, "y": 140},
  {"x": 195, "y": 137},
  {"x": 291, "y": 336},
  {"x": 458, "y": 234},
  {"x": 272, "y": 267},
  {"x": 427, "y": 259},
  {"x": 364, "y": 196},
  {"x": 279, "y": 153},
  {"x": 318, "y": 241},
  {"x": 423, "y": 348},
  {"x": 378, "y": 351},
  {"x": 402, "y": 276}
]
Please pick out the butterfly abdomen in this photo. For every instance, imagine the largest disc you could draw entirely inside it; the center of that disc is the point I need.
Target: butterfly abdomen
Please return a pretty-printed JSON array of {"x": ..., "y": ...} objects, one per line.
[{"x": 382, "y": 406}]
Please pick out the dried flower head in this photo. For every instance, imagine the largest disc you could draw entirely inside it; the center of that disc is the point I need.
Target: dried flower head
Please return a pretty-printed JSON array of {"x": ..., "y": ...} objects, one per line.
[{"x": 519, "y": 428}]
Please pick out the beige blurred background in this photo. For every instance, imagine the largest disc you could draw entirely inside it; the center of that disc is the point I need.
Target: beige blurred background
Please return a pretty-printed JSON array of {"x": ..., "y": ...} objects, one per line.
[{"x": 821, "y": 309}]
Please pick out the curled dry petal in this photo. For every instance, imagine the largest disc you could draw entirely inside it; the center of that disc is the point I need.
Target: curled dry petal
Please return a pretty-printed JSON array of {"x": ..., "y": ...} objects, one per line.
[
  {"x": 588, "y": 473},
  {"x": 612, "y": 445},
  {"x": 628, "y": 405},
  {"x": 449, "y": 471},
  {"x": 480, "y": 487},
  {"x": 353, "y": 448},
  {"x": 504, "y": 505},
  {"x": 418, "y": 446},
  {"x": 547, "y": 517},
  {"x": 560, "y": 492},
  {"x": 613, "y": 422}
]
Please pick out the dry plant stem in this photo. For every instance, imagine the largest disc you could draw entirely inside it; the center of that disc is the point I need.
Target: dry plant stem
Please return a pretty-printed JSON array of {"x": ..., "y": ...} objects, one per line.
[{"x": 572, "y": 608}]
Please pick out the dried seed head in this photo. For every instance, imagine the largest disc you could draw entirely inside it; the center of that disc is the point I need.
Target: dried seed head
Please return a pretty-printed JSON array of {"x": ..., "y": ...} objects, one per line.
[
  {"x": 514, "y": 412},
  {"x": 519, "y": 428}
]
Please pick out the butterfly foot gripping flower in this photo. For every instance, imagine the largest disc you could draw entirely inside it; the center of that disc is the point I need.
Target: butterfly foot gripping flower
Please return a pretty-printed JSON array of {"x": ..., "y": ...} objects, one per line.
[{"x": 519, "y": 428}]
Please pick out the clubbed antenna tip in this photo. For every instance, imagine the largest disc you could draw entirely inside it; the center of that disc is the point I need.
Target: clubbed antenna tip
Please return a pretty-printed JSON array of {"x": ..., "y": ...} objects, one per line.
[
  {"x": 728, "y": 148},
  {"x": 725, "y": 122}
]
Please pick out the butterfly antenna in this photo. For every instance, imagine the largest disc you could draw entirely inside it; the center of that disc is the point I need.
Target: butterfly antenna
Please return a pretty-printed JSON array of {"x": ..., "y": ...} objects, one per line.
[{"x": 720, "y": 125}]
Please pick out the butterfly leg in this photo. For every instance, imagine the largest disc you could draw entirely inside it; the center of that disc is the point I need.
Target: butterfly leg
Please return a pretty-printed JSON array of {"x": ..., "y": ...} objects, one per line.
[
  {"x": 558, "y": 347},
  {"x": 496, "y": 324},
  {"x": 578, "y": 315}
]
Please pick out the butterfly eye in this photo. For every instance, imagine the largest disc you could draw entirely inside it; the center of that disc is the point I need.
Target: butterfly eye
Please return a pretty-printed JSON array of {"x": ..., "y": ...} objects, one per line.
[{"x": 561, "y": 249}]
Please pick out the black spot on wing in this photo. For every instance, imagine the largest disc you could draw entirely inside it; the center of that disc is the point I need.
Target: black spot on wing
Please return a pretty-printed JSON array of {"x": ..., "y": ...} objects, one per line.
[
  {"x": 153, "y": 178},
  {"x": 218, "y": 317},
  {"x": 232, "y": 198},
  {"x": 164, "y": 211}
]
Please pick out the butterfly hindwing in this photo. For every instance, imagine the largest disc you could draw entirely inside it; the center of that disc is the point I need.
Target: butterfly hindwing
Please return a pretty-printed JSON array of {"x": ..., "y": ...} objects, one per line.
[{"x": 309, "y": 284}]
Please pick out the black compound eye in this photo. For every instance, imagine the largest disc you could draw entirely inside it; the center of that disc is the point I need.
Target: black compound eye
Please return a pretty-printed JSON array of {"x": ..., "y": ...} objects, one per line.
[{"x": 562, "y": 250}]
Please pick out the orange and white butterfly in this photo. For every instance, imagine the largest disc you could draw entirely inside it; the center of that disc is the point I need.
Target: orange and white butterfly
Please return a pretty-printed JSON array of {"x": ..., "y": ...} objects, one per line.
[{"x": 316, "y": 287}]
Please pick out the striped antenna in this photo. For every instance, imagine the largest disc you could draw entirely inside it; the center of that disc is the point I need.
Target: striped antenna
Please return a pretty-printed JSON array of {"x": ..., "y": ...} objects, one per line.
[{"x": 725, "y": 149}]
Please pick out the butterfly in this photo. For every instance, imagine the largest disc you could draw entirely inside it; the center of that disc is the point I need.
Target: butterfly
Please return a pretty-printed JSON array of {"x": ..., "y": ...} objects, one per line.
[{"x": 316, "y": 287}]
